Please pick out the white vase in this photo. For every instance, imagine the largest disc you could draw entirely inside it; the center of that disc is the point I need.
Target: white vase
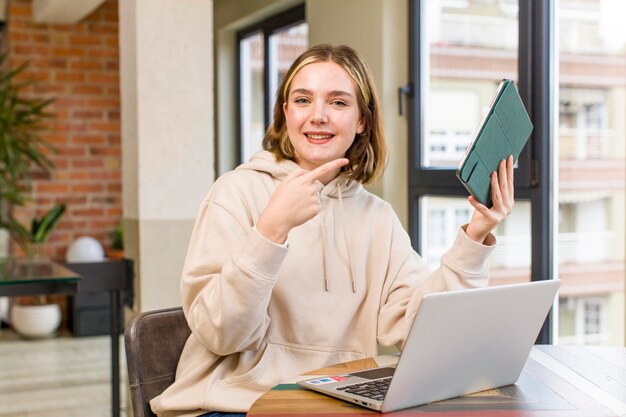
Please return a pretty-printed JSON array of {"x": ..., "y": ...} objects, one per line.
[{"x": 36, "y": 321}]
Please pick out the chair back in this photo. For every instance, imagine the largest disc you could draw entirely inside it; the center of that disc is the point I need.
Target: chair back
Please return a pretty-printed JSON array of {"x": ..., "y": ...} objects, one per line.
[{"x": 154, "y": 341}]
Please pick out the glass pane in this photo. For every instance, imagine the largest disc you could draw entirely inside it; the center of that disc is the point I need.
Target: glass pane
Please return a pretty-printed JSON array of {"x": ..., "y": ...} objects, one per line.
[
  {"x": 251, "y": 97},
  {"x": 442, "y": 217},
  {"x": 285, "y": 46},
  {"x": 471, "y": 46},
  {"x": 591, "y": 141}
]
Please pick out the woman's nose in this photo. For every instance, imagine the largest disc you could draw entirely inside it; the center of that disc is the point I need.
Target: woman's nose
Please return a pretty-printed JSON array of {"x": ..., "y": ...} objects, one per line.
[{"x": 319, "y": 114}]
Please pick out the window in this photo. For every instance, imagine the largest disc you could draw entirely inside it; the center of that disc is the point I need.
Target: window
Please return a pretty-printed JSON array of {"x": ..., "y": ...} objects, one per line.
[
  {"x": 448, "y": 136},
  {"x": 252, "y": 91},
  {"x": 266, "y": 50},
  {"x": 569, "y": 220},
  {"x": 593, "y": 317},
  {"x": 584, "y": 320},
  {"x": 443, "y": 217}
]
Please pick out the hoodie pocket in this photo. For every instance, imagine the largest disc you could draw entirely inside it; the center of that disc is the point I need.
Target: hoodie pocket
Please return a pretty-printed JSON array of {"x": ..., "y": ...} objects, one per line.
[{"x": 281, "y": 361}]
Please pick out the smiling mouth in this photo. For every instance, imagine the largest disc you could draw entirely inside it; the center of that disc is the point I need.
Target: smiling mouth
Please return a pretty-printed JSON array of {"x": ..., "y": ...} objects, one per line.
[{"x": 318, "y": 136}]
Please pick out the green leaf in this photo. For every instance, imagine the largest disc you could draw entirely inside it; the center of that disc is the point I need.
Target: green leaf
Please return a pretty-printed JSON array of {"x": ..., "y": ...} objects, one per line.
[
  {"x": 48, "y": 223},
  {"x": 22, "y": 148},
  {"x": 18, "y": 232}
]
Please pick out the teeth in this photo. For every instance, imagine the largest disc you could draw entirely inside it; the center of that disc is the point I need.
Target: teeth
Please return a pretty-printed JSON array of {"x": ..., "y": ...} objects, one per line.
[{"x": 319, "y": 137}]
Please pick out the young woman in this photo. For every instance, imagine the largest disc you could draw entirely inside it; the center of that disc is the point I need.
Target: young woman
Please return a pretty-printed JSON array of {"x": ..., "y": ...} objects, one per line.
[{"x": 292, "y": 264}]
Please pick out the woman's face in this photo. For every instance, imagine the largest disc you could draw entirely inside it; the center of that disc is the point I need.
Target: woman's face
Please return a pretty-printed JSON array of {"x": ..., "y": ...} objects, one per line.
[{"x": 322, "y": 114}]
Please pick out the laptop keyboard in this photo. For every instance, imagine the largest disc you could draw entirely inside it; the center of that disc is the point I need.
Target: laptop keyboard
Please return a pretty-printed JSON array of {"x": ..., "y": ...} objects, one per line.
[{"x": 375, "y": 390}]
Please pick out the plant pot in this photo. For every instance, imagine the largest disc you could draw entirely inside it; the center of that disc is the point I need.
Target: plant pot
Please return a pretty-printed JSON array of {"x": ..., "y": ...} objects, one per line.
[
  {"x": 36, "y": 321},
  {"x": 117, "y": 254},
  {"x": 36, "y": 251}
]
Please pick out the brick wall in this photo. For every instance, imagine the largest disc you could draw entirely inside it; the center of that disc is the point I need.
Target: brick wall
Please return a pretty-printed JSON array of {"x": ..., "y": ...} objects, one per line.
[{"x": 78, "y": 65}]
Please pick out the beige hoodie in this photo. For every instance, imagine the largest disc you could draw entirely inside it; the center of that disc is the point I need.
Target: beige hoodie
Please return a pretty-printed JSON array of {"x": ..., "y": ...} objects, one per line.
[{"x": 262, "y": 313}]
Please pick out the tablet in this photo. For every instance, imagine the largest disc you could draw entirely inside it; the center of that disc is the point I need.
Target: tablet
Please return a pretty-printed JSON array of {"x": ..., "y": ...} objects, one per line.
[{"x": 504, "y": 131}]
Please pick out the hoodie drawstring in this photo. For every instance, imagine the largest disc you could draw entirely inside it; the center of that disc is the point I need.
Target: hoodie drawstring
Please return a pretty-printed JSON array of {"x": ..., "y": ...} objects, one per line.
[
  {"x": 324, "y": 254},
  {"x": 345, "y": 240}
]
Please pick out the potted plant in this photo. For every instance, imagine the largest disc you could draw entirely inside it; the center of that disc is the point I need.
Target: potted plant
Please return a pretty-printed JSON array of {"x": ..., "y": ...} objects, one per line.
[
  {"x": 36, "y": 321},
  {"x": 34, "y": 317},
  {"x": 116, "y": 251},
  {"x": 22, "y": 151},
  {"x": 32, "y": 240}
]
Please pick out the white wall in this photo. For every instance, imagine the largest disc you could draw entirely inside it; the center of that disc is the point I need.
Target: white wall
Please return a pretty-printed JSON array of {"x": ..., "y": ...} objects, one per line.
[{"x": 166, "y": 49}]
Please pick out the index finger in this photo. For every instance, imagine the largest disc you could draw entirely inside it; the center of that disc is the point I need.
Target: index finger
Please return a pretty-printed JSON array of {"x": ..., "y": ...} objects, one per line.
[
  {"x": 322, "y": 170},
  {"x": 510, "y": 172}
]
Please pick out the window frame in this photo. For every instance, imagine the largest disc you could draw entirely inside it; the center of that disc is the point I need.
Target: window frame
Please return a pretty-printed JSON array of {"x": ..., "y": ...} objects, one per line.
[
  {"x": 266, "y": 28},
  {"x": 533, "y": 177}
]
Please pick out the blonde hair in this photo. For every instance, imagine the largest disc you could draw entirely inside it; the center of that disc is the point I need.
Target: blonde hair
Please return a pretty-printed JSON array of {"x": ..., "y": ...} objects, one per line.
[{"x": 368, "y": 152}]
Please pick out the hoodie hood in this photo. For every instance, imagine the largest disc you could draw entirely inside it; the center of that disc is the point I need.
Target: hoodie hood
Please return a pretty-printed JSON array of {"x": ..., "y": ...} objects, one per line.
[
  {"x": 339, "y": 188},
  {"x": 265, "y": 161}
]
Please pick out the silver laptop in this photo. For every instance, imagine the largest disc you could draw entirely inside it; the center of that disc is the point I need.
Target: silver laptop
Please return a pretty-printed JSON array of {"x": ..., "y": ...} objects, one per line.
[{"x": 460, "y": 342}]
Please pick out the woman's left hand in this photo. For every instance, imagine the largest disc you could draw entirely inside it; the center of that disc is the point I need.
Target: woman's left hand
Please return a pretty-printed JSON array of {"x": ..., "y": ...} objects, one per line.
[{"x": 484, "y": 219}]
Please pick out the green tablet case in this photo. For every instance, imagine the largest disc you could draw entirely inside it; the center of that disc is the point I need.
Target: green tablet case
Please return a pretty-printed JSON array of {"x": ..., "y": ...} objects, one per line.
[{"x": 503, "y": 132}]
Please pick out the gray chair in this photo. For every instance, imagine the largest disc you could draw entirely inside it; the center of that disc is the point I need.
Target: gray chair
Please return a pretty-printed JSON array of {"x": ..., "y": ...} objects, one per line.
[{"x": 154, "y": 341}]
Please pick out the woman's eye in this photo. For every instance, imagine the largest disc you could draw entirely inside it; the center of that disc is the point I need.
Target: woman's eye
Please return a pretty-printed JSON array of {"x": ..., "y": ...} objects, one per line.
[
  {"x": 301, "y": 100},
  {"x": 339, "y": 103}
]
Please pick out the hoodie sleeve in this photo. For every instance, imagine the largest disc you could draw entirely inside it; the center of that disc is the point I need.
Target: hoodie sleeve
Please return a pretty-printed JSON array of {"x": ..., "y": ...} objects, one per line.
[
  {"x": 228, "y": 277},
  {"x": 409, "y": 279}
]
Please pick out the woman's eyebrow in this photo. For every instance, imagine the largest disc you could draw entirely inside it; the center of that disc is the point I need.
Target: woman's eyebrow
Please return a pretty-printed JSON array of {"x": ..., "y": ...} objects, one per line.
[
  {"x": 302, "y": 91},
  {"x": 334, "y": 93}
]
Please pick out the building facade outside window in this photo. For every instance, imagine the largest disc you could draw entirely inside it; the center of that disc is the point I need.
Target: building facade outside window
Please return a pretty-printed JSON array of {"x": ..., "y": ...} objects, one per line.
[{"x": 591, "y": 141}]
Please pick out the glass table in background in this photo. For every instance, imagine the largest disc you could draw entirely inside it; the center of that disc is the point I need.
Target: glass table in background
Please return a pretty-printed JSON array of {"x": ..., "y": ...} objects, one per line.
[{"x": 25, "y": 276}]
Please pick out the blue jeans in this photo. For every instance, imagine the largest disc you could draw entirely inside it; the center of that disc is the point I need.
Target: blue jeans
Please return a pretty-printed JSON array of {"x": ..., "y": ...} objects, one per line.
[{"x": 220, "y": 414}]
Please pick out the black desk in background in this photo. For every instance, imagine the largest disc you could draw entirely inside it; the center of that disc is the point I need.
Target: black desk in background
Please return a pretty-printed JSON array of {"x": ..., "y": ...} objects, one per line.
[
  {"x": 89, "y": 309},
  {"x": 114, "y": 277}
]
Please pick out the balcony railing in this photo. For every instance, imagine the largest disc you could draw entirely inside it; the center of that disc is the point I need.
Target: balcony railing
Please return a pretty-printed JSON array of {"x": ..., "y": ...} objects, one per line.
[
  {"x": 586, "y": 144},
  {"x": 473, "y": 30},
  {"x": 586, "y": 247},
  {"x": 514, "y": 250},
  {"x": 580, "y": 31}
]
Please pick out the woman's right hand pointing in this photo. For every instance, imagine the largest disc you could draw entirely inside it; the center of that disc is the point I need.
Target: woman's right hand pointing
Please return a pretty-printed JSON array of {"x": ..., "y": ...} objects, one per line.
[{"x": 295, "y": 201}]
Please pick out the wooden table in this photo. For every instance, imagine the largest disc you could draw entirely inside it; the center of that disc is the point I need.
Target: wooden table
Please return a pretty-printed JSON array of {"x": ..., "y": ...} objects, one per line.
[{"x": 563, "y": 381}]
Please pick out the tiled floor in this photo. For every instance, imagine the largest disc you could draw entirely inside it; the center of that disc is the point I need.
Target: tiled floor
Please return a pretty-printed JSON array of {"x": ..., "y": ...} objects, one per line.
[{"x": 59, "y": 377}]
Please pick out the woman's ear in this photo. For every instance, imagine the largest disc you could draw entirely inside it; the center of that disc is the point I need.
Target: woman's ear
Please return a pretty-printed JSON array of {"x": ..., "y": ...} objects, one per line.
[{"x": 360, "y": 127}]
